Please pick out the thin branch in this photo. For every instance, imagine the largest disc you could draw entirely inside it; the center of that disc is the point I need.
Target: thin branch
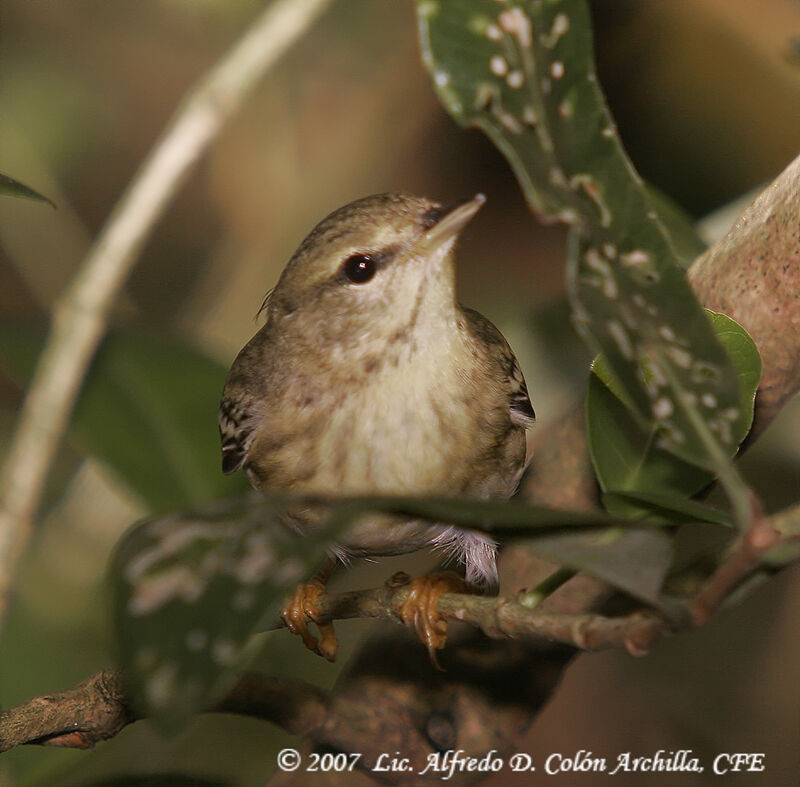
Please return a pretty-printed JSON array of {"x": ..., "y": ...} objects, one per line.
[
  {"x": 99, "y": 707},
  {"x": 82, "y": 312},
  {"x": 501, "y": 617},
  {"x": 744, "y": 558}
]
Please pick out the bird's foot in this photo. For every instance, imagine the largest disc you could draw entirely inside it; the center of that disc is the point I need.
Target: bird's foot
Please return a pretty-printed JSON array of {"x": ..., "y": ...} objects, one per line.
[
  {"x": 302, "y": 606},
  {"x": 420, "y": 610}
]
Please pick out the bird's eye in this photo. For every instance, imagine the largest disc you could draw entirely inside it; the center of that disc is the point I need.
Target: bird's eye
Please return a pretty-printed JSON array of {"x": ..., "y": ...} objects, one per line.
[{"x": 359, "y": 268}]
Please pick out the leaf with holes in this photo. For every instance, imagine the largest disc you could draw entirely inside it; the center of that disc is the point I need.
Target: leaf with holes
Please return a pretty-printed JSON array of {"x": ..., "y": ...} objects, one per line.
[
  {"x": 189, "y": 591},
  {"x": 524, "y": 74},
  {"x": 626, "y": 457}
]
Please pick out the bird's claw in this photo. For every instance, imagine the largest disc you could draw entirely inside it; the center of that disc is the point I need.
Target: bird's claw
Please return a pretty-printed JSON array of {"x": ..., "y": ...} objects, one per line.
[
  {"x": 302, "y": 606},
  {"x": 420, "y": 610}
]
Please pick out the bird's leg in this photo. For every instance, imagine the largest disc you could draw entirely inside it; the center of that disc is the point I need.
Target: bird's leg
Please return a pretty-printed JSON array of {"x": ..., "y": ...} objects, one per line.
[
  {"x": 303, "y": 605},
  {"x": 420, "y": 610}
]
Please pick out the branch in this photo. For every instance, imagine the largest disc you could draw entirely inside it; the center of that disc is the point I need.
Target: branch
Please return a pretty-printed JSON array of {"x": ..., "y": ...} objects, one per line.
[
  {"x": 499, "y": 617},
  {"x": 94, "y": 710},
  {"x": 81, "y": 314},
  {"x": 99, "y": 707},
  {"x": 753, "y": 275},
  {"x": 745, "y": 556}
]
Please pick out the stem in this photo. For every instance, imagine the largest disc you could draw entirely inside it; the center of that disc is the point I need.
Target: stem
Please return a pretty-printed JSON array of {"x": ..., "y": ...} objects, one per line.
[{"x": 532, "y": 598}]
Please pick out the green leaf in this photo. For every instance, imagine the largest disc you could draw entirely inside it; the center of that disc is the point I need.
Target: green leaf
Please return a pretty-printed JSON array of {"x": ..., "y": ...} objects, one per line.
[
  {"x": 679, "y": 225},
  {"x": 513, "y": 517},
  {"x": 147, "y": 409},
  {"x": 13, "y": 188},
  {"x": 746, "y": 360},
  {"x": 671, "y": 508},
  {"x": 627, "y": 457},
  {"x": 524, "y": 73},
  {"x": 190, "y": 589},
  {"x": 634, "y": 560}
]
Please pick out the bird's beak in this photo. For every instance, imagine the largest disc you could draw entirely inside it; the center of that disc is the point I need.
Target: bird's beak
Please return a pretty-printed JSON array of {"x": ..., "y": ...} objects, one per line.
[{"x": 449, "y": 221}]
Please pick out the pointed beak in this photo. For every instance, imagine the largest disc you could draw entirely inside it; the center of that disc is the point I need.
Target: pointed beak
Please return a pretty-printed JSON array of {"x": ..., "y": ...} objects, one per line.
[{"x": 447, "y": 223}]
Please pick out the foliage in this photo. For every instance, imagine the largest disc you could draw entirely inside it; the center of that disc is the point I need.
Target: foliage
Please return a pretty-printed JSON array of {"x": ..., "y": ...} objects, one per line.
[
  {"x": 525, "y": 75},
  {"x": 137, "y": 414},
  {"x": 190, "y": 589}
]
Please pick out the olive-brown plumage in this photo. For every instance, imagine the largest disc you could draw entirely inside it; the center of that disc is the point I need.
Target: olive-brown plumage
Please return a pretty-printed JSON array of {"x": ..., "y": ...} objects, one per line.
[{"x": 368, "y": 377}]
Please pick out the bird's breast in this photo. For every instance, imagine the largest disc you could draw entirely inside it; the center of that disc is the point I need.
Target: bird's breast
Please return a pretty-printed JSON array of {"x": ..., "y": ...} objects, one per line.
[{"x": 428, "y": 422}]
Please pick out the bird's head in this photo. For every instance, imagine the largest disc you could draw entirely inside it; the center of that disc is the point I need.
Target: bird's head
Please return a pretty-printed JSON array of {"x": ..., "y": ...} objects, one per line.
[{"x": 373, "y": 270}]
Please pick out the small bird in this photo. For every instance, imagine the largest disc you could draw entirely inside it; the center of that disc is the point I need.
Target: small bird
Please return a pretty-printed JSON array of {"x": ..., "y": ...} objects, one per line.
[{"x": 368, "y": 377}]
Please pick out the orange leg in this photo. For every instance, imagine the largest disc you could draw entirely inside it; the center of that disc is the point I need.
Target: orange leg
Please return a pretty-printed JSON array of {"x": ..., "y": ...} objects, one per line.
[
  {"x": 420, "y": 609},
  {"x": 303, "y": 605}
]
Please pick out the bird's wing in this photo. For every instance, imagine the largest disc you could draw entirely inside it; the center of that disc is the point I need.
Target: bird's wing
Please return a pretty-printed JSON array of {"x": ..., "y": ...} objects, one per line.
[
  {"x": 519, "y": 402},
  {"x": 236, "y": 425},
  {"x": 522, "y": 412}
]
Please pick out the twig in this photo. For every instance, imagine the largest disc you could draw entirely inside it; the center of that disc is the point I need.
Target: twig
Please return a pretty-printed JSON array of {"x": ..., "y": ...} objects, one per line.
[
  {"x": 744, "y": 558},
  {"x": 550, "y": 584},
  {"x": 502, "y": 616},
  {"x": 81, "y": 314}
]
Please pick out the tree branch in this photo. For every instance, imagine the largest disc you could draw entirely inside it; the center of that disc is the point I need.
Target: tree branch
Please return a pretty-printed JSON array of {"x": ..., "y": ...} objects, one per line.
[
  {"x": 499, "y": 617},
  {"x": 81, "y": 314},
  {"x": 99, "y": 707}
]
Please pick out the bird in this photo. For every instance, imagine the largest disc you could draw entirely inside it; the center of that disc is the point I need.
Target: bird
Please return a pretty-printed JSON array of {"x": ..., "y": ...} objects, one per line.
[{"x": 368, "y": 377}]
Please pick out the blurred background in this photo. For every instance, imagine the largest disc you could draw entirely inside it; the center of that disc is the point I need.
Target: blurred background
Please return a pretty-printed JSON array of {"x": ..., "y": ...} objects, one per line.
[{"x": 707, "y": 97}]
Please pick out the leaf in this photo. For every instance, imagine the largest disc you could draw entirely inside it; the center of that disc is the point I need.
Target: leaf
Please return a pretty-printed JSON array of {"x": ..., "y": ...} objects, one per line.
[
  {"x": 13, "y": 188},
  {"x": 743, "y": 352},
  {"x": 672, "y": 508},
  {"x": 685, "y": 240},
  {"x": 634, "y": 560},
  {"x": 627, "y": 457},
  {"x": 190, "y": 589},
  {"x": 512, "y": 517},
  {"x": 525, "y": 75},
  {"x": 147, "y": 409}
]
